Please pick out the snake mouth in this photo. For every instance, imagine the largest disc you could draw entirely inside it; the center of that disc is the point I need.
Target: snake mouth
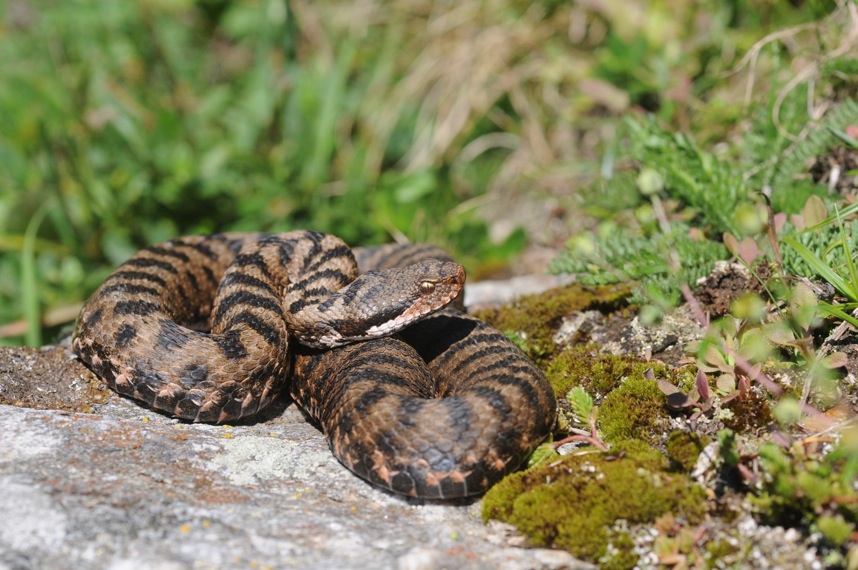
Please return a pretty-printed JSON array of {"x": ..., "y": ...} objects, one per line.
[{"x": 401, "y": 321}]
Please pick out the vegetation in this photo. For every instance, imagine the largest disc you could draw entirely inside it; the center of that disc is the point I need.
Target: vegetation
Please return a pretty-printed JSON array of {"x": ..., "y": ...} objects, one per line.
[
  {"x": 596, "y": 373},
  {"x": 683, "y": 448},
  {"x": 644, "y": 142},
  {"x": 532, "y": 320},
  {"x": 779, "y": 199},
  {"x": 634, "y": 410},
  {"x": 122, "y": 124},
  {"x": 800, "y": 485},
  {"x": 574, "y": 502}
]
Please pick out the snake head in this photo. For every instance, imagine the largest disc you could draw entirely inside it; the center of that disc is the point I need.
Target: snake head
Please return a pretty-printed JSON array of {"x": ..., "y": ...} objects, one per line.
[
  {"x": 382, "y": 302},
  {"x": 425, "y": 288}
]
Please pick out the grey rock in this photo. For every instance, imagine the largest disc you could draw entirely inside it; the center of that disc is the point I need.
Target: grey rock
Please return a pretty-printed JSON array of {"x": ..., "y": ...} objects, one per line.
[
  {"x": 493, "y": 293},
  {"x": 126, "y": 487}
]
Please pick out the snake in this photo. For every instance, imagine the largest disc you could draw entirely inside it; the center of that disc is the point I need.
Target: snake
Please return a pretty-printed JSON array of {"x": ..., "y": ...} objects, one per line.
[{"x": 412, "y": 394}]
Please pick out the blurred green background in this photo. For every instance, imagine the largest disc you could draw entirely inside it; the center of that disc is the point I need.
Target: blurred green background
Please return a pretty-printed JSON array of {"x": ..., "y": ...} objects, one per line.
[{"x": 472, "y": 125}]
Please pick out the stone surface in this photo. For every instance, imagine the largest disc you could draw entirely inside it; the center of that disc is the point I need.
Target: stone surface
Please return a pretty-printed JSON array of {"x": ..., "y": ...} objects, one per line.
[
  {"x": 126, "y": 487},
  {"x": 492, "y": 293},
  {"x": 48, "y": 378}
]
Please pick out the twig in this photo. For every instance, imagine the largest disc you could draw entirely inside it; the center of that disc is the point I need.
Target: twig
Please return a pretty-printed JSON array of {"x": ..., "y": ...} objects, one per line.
[
  {"x": 694, "y": 305},
  {"x": 588, "y": 438}
]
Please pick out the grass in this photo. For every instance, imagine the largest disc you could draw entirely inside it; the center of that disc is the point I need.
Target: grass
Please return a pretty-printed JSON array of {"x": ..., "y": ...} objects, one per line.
[{"x": 386, "y": 120}]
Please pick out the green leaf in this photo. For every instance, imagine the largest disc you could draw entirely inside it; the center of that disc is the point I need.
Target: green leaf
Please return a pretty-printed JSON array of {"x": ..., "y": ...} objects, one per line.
[
  {"x": 835, "y": 311},
  {"x": 582, "y": 404},
  {"x": 779, "y": 333},
  {"x": 415, "y": 186},
  {"x": 544, "y": 452},
  {"x": 814, "y": 211},
  {"x": 787, "y": 412},
  {"x": 726, "y": 383},
  {"x": 803, "y": 305},
  {"x": 713, "y": 356},
  {"x": 824, "y": 270},
  {"x": 843, "y": 136}
]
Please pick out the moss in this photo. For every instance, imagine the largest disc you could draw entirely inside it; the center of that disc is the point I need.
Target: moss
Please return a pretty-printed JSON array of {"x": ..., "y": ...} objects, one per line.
[
  {"x": 684, "y": 378},
  {"x": 621, "y": 552},
  {"x": 533, "y": 319},
  {"x": 718, "y": 549},
  {"x": 631, "y": 405},
  {"x": 635, "y": 410},
  {"x": 835, "y": 529},
  {"x": 595, "y": 372},
  {"x": 571, "y": 503},
  {"x": 683, "y": 448}
]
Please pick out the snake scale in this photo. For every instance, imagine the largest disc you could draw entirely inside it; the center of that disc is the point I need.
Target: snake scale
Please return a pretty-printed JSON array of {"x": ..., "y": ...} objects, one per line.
[{"x": 411, "y": 394}]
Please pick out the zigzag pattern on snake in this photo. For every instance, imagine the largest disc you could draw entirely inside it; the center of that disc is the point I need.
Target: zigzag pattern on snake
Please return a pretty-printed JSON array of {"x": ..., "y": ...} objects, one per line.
[{"x": 212, "y": 328}]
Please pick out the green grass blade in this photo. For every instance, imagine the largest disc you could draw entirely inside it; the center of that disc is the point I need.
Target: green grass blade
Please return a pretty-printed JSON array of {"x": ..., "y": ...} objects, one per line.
[
  {"x": 29, "y": 279},
  {"x": 843, "y": 136},
  {"x": 842, "y": 214},
  {"x": 835, "y": 311},
  {"x": 853, "y": 276},
  {"x": 823, "y": 269}
]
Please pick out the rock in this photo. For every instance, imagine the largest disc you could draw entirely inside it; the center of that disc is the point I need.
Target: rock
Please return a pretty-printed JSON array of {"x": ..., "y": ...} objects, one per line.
[
  {"x": 493, "y": 293},
  {"x": 48, "y": 378},
  {"x": 667, "y": 339},
  {"x": 127, "y": 487}
]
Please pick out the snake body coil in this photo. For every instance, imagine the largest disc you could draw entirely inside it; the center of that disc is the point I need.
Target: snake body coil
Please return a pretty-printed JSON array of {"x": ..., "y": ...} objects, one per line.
[{"x": 212, "y": 328}]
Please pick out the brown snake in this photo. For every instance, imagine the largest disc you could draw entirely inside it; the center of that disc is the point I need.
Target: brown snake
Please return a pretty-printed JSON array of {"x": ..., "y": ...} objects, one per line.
[{"x": 212, "y": 328}]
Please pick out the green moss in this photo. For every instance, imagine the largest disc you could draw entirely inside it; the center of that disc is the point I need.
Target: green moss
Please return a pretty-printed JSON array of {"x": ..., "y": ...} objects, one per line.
[
  {"x": 595, "y": 372},
  {"x": 571, "y": 503},
  {"x": 835, "y": 529},
  {"x": 533, "y": 319},
  {"x": 621, "y": 552},
  {"x": 634, "y": 410},
  {"x": 718, "y": 549},
  {"x": 684, "y": 378},
  {"x": 683, "y": 448}
]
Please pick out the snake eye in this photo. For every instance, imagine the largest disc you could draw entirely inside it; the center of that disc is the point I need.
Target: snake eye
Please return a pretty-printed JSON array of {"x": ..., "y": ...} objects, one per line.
[{"x": 427, "y": 287}]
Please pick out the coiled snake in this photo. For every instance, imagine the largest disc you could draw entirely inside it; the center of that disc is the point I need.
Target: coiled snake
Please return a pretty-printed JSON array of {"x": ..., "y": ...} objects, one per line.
[{"x": 202, "y": 327}]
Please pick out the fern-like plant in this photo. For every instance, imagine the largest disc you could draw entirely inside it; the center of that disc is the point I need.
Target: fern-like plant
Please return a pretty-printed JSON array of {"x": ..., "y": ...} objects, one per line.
[
  {"x": 712, "y": 187},
  {"x": 621, "y": 256},
  {"x": 710, "y": 192},
  {"x": 821, "y": 137}
]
